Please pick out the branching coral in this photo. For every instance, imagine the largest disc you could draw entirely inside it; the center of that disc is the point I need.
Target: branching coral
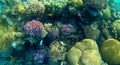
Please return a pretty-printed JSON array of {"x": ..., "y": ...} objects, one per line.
[
  {"x": 57, "y": 51},
  {"x": 19, "y": 8},
  {"x": 35, "y": 8},
  {"x": 34, "y": 28},
  {"x": 7, "y": 34}
]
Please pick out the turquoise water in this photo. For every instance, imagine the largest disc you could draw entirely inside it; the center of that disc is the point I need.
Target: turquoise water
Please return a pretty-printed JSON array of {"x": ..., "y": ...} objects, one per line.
[{"x": 59, "y": 32}]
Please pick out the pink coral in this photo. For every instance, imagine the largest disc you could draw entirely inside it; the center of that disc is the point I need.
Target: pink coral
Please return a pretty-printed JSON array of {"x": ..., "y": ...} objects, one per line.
[{"x": 33, "y": 28}]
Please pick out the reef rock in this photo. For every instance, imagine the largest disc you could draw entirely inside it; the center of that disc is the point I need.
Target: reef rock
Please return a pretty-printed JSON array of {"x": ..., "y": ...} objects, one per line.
[{"x": 84, "y": 53}]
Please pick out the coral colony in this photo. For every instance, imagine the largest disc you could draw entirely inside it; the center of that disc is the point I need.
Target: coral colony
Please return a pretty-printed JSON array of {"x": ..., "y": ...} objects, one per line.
[
  {"x": 33, "y": 28},
  {"x": 59, "y": 32}
]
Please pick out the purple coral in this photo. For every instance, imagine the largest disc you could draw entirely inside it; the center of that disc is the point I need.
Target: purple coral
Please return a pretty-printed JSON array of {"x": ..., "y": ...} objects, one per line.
[
  {"x": 33, "y": 28},
  {"x": 67, "y": 29},
  {"x": 40, "y": 56}
]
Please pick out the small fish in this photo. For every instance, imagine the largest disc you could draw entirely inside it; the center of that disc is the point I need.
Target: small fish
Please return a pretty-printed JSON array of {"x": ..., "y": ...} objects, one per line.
[
  {"x": 50, "y": 15},
  {"x": 41, "y": 43}
]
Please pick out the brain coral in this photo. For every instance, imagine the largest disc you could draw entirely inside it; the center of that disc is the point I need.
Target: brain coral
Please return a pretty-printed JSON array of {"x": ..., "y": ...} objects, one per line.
[{"x": 110, "y": 51}]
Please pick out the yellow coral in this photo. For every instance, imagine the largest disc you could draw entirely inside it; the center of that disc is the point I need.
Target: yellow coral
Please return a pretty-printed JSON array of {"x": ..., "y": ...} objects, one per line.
[
  {"x": 6, "y": 35},
  {"x": 20, "y": 8},
  {"x": 76, "y": 3},
  {"x": 110, "y": 51},
  {"x": 107, "y": 13}
]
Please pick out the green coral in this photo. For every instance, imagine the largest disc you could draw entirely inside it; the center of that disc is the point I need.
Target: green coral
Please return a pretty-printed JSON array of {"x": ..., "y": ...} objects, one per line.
[
  {"x": 110, "y": 51},
  {"x": 107, "y": 13},
  {"x": 84, "y": 53}
]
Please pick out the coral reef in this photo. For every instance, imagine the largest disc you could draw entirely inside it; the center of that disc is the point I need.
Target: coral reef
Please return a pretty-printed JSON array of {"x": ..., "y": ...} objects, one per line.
[
  {"x": 19, "y": 8},
  {"x": 54, "y": 7},
  {"x": 34, "y": 28},
  {"x": 116, "y": 25},
  {"x": 107, "y": 13},
  {"x": 49, "y": 31},
  {"x": 7, "y": 35},
  {"x": 57, "y": 51},
  {"x": 110, "y": 51},
  {"x": 67, "y": 29},
  {"x": 76, "y": 3},
  {"x": 96, "y": 4},
  {"x": 35, "y": 8},
  {"x": 40, "y": 56},
  {"x": 82, "y": 53},
  {"x": 94, "y": 32},
  {"x": 51, "y": 36}
]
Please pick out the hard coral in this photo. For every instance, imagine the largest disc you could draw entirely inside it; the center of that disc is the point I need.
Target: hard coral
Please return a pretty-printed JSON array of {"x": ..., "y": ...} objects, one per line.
[
  {"x": 57, "y": 51},
  {"x": 35, "y": 8},
  {"x": 96, "y": 4},
  {"x": 110, "y": 50},
  {"x": 40, "y": 56},
  {"x": 55, "y": 6},
  {"x": 67, "y": 29},
  {"x": 82, "y": 53},
  {"x": 7, "y": 34},
  {"x": 34, "y": 28},
  {"x": 19, "y": 8}
]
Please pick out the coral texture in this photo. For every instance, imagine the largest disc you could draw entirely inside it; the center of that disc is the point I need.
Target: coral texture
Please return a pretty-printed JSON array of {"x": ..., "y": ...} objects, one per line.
[
  {"x": 82, "y": 53},
  {"x": 35, "y": 8},
  {"x": 110, "y": 50},
  {"x": 67, "y": 29},
  {"x": 34, "y": 28},
  {"x": 40, "y": 56}
]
